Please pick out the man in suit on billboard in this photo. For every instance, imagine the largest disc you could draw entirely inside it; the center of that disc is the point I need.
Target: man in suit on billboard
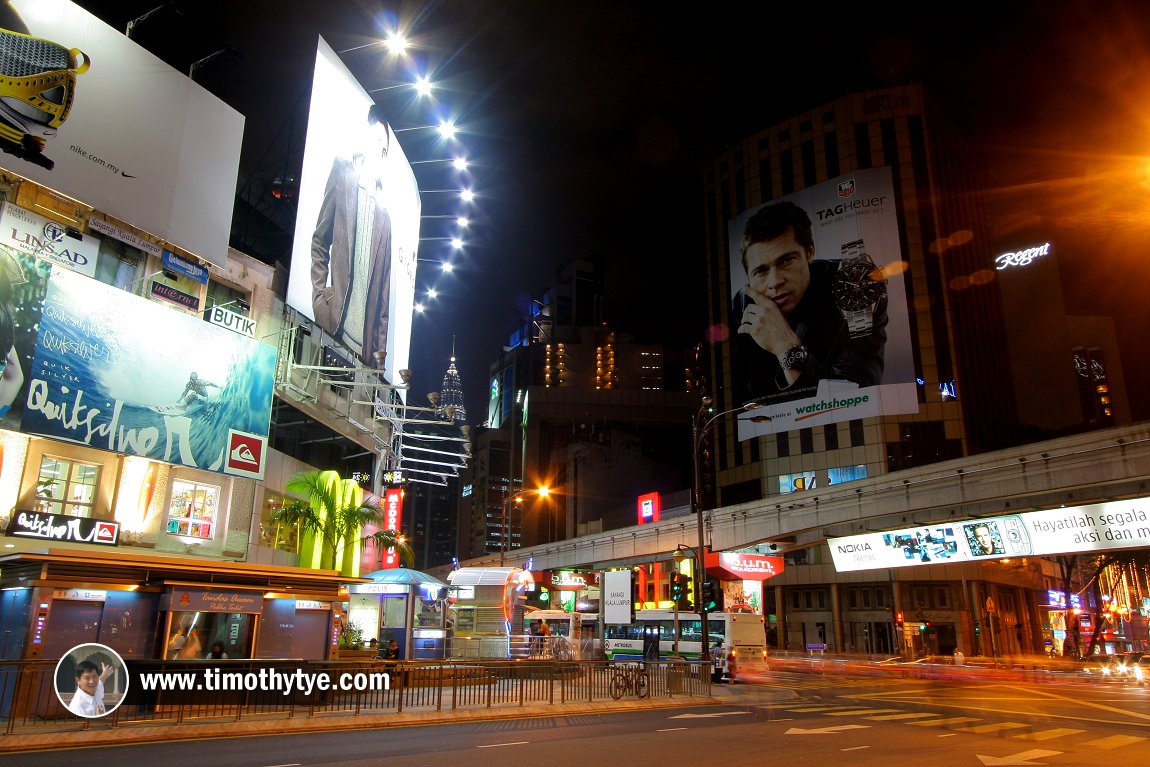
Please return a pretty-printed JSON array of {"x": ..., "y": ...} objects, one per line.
[{"x": 351, "y": 249}]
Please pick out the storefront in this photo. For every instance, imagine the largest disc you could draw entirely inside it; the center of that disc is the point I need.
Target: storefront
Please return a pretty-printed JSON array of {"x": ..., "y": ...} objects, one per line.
[
  {"x": 402, "y": 605},
  {"x": 164, "y": 607}
]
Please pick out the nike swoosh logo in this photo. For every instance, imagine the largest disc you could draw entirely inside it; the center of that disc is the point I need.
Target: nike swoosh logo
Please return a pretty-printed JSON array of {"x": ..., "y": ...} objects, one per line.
[{"x": 125, "y": 175}]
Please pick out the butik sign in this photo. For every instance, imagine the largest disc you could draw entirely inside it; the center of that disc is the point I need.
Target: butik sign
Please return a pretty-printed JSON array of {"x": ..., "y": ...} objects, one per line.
[
  {"x": 237, "y": 323},
  {"x": 62, "y": 527},
  {"x": 44, "y": 238},
  {"x": 392, "y": 519}
]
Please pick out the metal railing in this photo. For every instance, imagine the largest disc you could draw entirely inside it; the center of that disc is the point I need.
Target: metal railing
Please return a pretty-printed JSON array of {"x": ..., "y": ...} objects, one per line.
[{"x": 256, "y": 689}]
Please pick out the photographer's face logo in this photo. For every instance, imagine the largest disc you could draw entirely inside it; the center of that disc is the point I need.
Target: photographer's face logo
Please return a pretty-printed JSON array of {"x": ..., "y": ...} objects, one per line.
[{"x": 91, "y": 680}]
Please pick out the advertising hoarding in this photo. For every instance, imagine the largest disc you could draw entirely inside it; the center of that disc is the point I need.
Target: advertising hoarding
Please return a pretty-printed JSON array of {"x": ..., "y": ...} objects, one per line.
[
  {"x": 96, "y": 366},
  {"x": 357, "y": 225},
  {"x": 1078, "y": 529},
  {"x": 617, "y": 602},
  {"x": 129, "y": 135},
  {"x": 820, "y": 329}
]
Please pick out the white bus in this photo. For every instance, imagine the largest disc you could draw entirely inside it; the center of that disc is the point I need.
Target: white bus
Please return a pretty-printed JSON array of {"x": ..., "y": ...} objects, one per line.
[{"x": 741, "y": 637}]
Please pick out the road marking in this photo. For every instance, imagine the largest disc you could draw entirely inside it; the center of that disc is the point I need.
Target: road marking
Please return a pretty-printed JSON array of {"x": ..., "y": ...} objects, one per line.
[
  {"x": 708, "y": 716},
  {"x": 672, "y": 729},
  {"x": 808, "y": 709},
  {"x": 853, "y": 748},
  {"x": 949, "y": 735},
  {"x": 826, "y": 730},
  {"x": 1058, "y": 732},
  {"x": 861, "y": 712},
  {"x": 297, "y": 764},
  {"x": 890, "y": 717},
  {"x": 513, "y": 743},
  {"x": 1114, "y": 741},
  {"x": 941, "y": 722},
  {"x": 996, "y": 727},
  {"x": 1021, "y": 758}
]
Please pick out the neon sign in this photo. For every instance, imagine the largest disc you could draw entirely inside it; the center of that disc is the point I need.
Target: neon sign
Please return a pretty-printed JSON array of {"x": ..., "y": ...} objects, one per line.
[{"x": 1021, "y": 257}]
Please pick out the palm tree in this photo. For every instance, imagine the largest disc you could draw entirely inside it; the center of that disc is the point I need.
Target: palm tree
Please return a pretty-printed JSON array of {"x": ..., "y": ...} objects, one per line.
[{"x": 332, "y": 522}]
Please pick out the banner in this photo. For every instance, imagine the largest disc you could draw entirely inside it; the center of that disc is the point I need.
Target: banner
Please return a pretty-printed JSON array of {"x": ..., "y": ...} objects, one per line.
[
  {"x": 1079, "y": 529},
  {"x": 819, "y": 325},
  {"x": 616, "y": 597},
  {"x": 94, "y": 365},
  {"x": 121, "y": 131}
]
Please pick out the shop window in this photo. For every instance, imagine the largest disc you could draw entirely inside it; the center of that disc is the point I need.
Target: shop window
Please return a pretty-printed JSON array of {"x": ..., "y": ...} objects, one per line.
[
  {"x": 66, "y": 487},
  {"x": 193, "y": 509},
  {"x": 228, "y": 297},
  {"x": 277, "y": 535}
]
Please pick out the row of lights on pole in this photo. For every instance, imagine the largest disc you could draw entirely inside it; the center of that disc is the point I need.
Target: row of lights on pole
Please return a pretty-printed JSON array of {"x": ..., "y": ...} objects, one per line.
[{"x": 397, "y": 44}]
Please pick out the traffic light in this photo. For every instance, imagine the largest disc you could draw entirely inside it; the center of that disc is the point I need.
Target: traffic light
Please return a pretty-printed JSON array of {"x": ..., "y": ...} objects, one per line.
[
  {"x": 710, "y": 596},
  {"x": 898, "y": 618},
  {"x": 977, "y": 630},
  {"x": 681, "y": 591}
]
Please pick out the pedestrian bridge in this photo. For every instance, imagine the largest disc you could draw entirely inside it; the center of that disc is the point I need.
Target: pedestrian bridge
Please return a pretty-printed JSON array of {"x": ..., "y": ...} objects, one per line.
[{"x": 1095, "y": 467}]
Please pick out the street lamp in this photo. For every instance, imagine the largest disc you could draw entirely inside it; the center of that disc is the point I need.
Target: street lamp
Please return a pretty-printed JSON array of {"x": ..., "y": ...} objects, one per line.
[
  {"x": 700, "y": 424},
  {"x": 542, "y": 492}
]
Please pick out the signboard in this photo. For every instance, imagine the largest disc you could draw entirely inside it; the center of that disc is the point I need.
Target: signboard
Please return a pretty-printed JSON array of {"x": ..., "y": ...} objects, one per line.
[
  {"x": 392, "y": 519},
  {"x": 105, "y": 369},
  {"x": 173, "y": 296},
  {"x": 216, "y": 601},
  {"x": 650, "y": 507},
  {"x": 185, "y": 267},
  {"x": 819, "y": 323},
  {"x": 1077, "y": 529},
  {"x": 810, "y": 480},
  {"x": 352, "y": 160},
  {"x": 44, "y": 238},
  {"x": 82, "y": 595},
  {"x": 237, "y": 323},
  {"x": 116, "y": 233},
  {"x": 748, "y": 567},
  {"x": 616, "y": 597},
  {"x": 125, "y": 133},
  {"x": 62, "y": 527},
  {"x": 1023, "y": 257}
]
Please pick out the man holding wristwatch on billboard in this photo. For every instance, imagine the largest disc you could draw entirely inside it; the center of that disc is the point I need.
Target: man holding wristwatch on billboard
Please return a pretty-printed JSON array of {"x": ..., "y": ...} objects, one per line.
[{"x": 801, "y": 320}]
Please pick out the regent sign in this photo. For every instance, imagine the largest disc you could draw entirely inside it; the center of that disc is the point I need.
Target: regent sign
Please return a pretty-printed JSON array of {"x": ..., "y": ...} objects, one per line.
[{"x": 1021, "y": 257}]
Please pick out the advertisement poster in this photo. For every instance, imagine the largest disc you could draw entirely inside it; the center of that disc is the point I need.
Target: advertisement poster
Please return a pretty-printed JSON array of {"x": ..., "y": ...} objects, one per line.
[
  {"x": 1079, "y": 529},
  {"x": 92, "y": 365},
  {"x": 357, "y": 225},
  {"x": 118, "y": 129},
  {"x": 820, "y": 331}
]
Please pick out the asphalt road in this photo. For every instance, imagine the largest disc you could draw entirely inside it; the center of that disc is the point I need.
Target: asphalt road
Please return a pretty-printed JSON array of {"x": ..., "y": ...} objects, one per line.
[{"x": 866, "y": 721}]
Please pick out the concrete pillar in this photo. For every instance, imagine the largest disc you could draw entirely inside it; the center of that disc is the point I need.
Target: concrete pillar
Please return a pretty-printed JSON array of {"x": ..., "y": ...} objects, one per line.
[
  {"x": 781, "y": 617},
  {"x": 837, "y": 619}
]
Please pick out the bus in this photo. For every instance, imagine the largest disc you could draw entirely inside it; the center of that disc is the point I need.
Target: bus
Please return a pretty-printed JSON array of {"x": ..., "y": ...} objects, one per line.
[{"x": 741, "y": 638}]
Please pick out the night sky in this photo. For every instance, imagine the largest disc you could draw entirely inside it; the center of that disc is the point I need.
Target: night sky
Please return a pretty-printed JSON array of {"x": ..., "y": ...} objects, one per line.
[{"x": 587, "y": 123}]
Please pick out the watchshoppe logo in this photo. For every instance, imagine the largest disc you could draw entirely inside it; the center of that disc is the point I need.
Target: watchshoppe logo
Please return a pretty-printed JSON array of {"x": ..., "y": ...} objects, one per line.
[{"x": 61, "y": 527}]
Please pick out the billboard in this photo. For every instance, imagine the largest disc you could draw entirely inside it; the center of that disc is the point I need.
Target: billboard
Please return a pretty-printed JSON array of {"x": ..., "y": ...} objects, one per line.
[
  {"x": 1078, "y": 529},
  {"x": 820, "y": 330},
  {"x": 86, "y": 111},
  {"x": 357, "y": 225},
  {"x": 93, "y": 365}
]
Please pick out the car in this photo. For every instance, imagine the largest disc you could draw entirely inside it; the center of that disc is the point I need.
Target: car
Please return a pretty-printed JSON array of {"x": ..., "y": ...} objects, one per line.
[
  {"x": 1122, "y": 665},
  {"x": 1141, "y": 671}
]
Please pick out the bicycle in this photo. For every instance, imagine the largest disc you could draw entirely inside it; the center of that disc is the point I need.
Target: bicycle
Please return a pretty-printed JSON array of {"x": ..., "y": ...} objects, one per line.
[{"x": 631, "y": 678}]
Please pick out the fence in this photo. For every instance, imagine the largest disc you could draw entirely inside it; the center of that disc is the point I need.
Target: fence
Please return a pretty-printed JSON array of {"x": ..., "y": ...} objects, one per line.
[{"x": 29, "y": 701}]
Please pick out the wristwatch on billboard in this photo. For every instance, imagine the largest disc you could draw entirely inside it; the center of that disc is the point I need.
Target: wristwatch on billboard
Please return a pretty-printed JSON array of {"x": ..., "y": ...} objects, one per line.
[
  {"x": 857, "y": 288},
  {"x": 795, "y": 358}
]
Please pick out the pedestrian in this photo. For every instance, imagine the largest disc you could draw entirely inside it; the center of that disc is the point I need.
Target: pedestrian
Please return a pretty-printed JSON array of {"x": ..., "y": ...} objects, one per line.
[{"x": 959, "y": 658}]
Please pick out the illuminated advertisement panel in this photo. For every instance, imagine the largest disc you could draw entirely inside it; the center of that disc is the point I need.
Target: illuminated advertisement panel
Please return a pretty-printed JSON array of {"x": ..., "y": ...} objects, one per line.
[
  {"x": 819, "y": 325},
  {"x": 650, "y": 508},
  {"x": 87, "y": 112},
  {"x": 93, "y": 365},
  {"x": 357, "y": 226},
  {"x": 809, "y": 480},
  {"x": 392, "y": 519},
  {"x": 1097, "y": 527}
]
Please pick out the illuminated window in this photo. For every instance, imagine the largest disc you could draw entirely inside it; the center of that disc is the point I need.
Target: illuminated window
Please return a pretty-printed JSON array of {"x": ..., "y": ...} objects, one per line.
[
  {"x": 66, "y": 487},
  {"x": 273, "y": 535},
  {"x": 193, "y": 509}
]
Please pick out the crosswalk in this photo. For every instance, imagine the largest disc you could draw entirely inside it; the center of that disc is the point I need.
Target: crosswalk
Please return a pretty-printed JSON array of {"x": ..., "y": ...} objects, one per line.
[{"x": 1016, "y": 730}]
